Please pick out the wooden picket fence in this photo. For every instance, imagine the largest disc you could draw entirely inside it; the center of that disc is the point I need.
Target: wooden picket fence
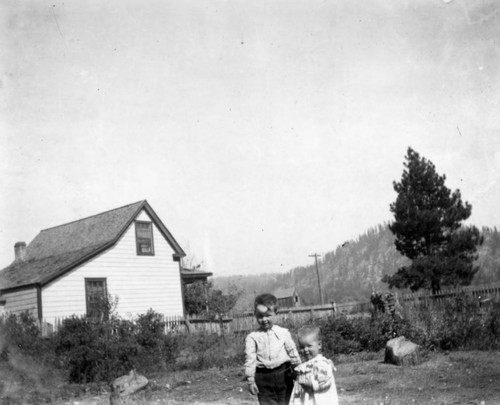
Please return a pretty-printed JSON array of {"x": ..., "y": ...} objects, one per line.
[
  {"x": 483, "y": 293},
  {"x": 238, "y": 322},
  {"x": 173, "y": 324},
  {"x": 244, "y": 322}
]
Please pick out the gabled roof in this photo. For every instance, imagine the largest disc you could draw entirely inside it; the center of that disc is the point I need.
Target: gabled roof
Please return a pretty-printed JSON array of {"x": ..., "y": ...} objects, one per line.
[
  {"x": 56, "y": 250},
  {"x": 284, "y": 292}
]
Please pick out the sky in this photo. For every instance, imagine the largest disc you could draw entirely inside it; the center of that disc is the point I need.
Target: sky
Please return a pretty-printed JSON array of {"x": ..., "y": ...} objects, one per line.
[{"x": 260, "y": 131}]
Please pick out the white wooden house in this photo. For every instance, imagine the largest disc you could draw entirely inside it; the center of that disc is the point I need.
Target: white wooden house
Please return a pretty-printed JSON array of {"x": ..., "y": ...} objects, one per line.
[{"x": 126, "y": 252}]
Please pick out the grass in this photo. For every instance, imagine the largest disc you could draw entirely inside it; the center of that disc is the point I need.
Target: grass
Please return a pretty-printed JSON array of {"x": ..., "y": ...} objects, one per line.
[{"x": 461, "y": 377}]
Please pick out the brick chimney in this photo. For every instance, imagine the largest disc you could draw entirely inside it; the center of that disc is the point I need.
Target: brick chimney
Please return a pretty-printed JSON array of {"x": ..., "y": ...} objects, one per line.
[{"x": 20, "y": 251}]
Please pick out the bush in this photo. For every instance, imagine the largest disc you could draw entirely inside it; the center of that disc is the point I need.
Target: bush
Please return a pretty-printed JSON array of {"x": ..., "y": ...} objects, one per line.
[
  {"x": 203, "y": 351},
  {"x": 465, "y": 325},
  {"x": 96, "y": 350},
  {"x": 101, "y": 350},
  {"x": 342, "y": 335},
  {"x": 457, "y": 323},
  {"x": 156, "y": 348},
  {"x": 22, "y": 333},
  {"x": 150, "y": 329}
]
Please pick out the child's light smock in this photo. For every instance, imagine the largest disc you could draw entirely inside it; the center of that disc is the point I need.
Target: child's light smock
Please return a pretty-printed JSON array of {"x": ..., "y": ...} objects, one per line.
[{"x": 315, "y": 384}]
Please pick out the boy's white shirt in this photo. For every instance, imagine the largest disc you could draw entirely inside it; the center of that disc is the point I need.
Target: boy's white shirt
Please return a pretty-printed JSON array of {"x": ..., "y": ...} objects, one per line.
[{"x": 270, "y": 349}]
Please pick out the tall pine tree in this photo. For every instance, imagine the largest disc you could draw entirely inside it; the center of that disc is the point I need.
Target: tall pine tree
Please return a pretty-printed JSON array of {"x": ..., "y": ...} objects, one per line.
[{"x": 428, "y": 229}]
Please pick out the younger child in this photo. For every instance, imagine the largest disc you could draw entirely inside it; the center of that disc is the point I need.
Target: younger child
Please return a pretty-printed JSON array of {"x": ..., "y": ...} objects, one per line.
[
  {"x": 270, "y": 354},
  {"x": 315, "y": 384}
]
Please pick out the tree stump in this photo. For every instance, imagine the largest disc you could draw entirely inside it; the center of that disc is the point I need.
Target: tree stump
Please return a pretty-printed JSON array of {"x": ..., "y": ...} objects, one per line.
[{"x": 125, "y": 386}]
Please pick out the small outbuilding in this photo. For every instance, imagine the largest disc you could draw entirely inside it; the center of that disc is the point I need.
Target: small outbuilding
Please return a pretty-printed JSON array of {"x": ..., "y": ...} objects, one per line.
[{"x": 287, "y": 297}]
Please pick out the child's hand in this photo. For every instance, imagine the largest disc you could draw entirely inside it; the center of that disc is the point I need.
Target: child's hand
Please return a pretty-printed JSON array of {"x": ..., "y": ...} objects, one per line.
[
  {"x": 252, "y": 387},
  {"x": 304, "y": 381},
  {"x": 322, "y": 384}
]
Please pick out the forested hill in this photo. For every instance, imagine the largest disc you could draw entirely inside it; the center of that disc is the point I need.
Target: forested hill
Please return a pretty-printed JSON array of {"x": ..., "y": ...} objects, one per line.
[{"x": 353, "y": 270}]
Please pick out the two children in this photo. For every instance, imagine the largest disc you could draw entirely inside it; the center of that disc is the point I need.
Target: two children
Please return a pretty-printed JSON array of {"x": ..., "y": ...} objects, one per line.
[{"x": 271, "y": 354}]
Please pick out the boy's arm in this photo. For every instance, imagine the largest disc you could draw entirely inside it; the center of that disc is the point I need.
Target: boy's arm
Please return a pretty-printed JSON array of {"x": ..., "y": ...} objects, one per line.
[
  {"x": 250, "y": 358},
  {"x": 291, "y": 349},
  {"x": 250, "y": 364}
]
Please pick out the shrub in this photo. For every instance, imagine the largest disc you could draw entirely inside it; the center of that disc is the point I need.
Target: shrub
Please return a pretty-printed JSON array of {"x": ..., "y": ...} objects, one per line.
[
  {"x": 342, "y": 335},
  {"x": 22, "y": 333},
  {"x": 456, "y": 323},
  {"x": 95, "y": 350},
  {"x": 150, "y": 328},
  {"x": 205, "y": 351},
  {"x": 492, "y": 328},
  {"x": 156, "y": 347},
  {"x": 466, "y": 326}
]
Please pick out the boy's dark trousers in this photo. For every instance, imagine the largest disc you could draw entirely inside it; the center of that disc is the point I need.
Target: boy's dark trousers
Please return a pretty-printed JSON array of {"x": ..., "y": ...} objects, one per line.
[{"x": 275, "y": 385}]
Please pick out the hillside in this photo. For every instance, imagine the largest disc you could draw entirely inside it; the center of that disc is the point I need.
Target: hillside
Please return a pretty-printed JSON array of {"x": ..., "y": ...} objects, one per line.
[{"x": 353, "y": 270}]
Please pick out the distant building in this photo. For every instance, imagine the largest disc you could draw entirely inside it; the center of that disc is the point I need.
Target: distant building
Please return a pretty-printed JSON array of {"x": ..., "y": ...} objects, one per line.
[
  {"x": 287, "y": 297},
  {"x": 190, "y": 276}
]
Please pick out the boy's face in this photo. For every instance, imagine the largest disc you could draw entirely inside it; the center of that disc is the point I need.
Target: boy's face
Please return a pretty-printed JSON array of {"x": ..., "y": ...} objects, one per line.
[
  {"x": 265, "y": 316},
  {"x": 309, "y": 346}
]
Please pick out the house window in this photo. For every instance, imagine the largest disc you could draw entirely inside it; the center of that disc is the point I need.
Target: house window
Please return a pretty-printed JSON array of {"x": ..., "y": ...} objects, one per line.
[
  {"x": 144, "y": 238},
  {"x": 96, "y": 296}
]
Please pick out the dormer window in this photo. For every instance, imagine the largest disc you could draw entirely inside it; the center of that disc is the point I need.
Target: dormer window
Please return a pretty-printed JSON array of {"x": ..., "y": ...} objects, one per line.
[{"x": 144, "y": 238}]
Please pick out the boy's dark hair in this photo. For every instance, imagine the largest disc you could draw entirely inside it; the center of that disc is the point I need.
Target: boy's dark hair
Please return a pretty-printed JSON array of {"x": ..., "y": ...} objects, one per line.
[{"x": 268, "y": 300}]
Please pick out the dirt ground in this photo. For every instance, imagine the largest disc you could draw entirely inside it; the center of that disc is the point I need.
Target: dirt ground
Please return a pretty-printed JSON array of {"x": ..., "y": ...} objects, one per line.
[{"x": 453, "y": 378}]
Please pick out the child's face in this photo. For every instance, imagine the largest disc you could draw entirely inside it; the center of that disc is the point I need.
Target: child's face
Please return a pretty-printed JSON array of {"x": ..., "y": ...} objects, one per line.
[
  {"x": 265, "y": 316},
  {"x": 309, "y": 346}
]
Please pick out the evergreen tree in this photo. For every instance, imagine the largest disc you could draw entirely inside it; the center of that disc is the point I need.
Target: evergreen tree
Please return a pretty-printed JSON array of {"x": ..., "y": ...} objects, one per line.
[{"x": 428, "y": 230}]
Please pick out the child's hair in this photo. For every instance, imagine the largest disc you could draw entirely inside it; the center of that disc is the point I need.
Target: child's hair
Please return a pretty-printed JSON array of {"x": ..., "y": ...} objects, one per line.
[
  {"x": 309, "y": 330},
  {"x": 268, "y": 300}
]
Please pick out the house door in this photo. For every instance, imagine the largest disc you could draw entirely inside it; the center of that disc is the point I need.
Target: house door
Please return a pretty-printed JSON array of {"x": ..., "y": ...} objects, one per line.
[{"x": 96, "y": 296}]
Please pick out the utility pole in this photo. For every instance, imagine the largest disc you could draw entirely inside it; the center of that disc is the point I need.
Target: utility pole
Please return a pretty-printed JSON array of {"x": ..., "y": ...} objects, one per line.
[{"x": 315, "y": 255}]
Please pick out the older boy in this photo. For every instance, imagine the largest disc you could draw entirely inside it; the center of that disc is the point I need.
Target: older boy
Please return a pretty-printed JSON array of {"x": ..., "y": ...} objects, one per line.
[{"x": 270, "y": 354}]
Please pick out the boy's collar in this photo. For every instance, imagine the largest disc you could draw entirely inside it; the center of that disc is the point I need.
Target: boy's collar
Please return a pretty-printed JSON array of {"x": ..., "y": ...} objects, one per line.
[{"x": 271, "y": 329}]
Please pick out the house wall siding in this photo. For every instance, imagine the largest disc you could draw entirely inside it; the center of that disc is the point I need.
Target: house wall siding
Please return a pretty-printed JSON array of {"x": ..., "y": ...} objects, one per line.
[
  {"x": 139, "y": 282},
  {"x": 20, "y": 301}
]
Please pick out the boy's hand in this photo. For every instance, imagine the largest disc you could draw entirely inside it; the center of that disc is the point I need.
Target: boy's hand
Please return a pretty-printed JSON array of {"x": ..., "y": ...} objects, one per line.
[{"x": 252, "y": 387}]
